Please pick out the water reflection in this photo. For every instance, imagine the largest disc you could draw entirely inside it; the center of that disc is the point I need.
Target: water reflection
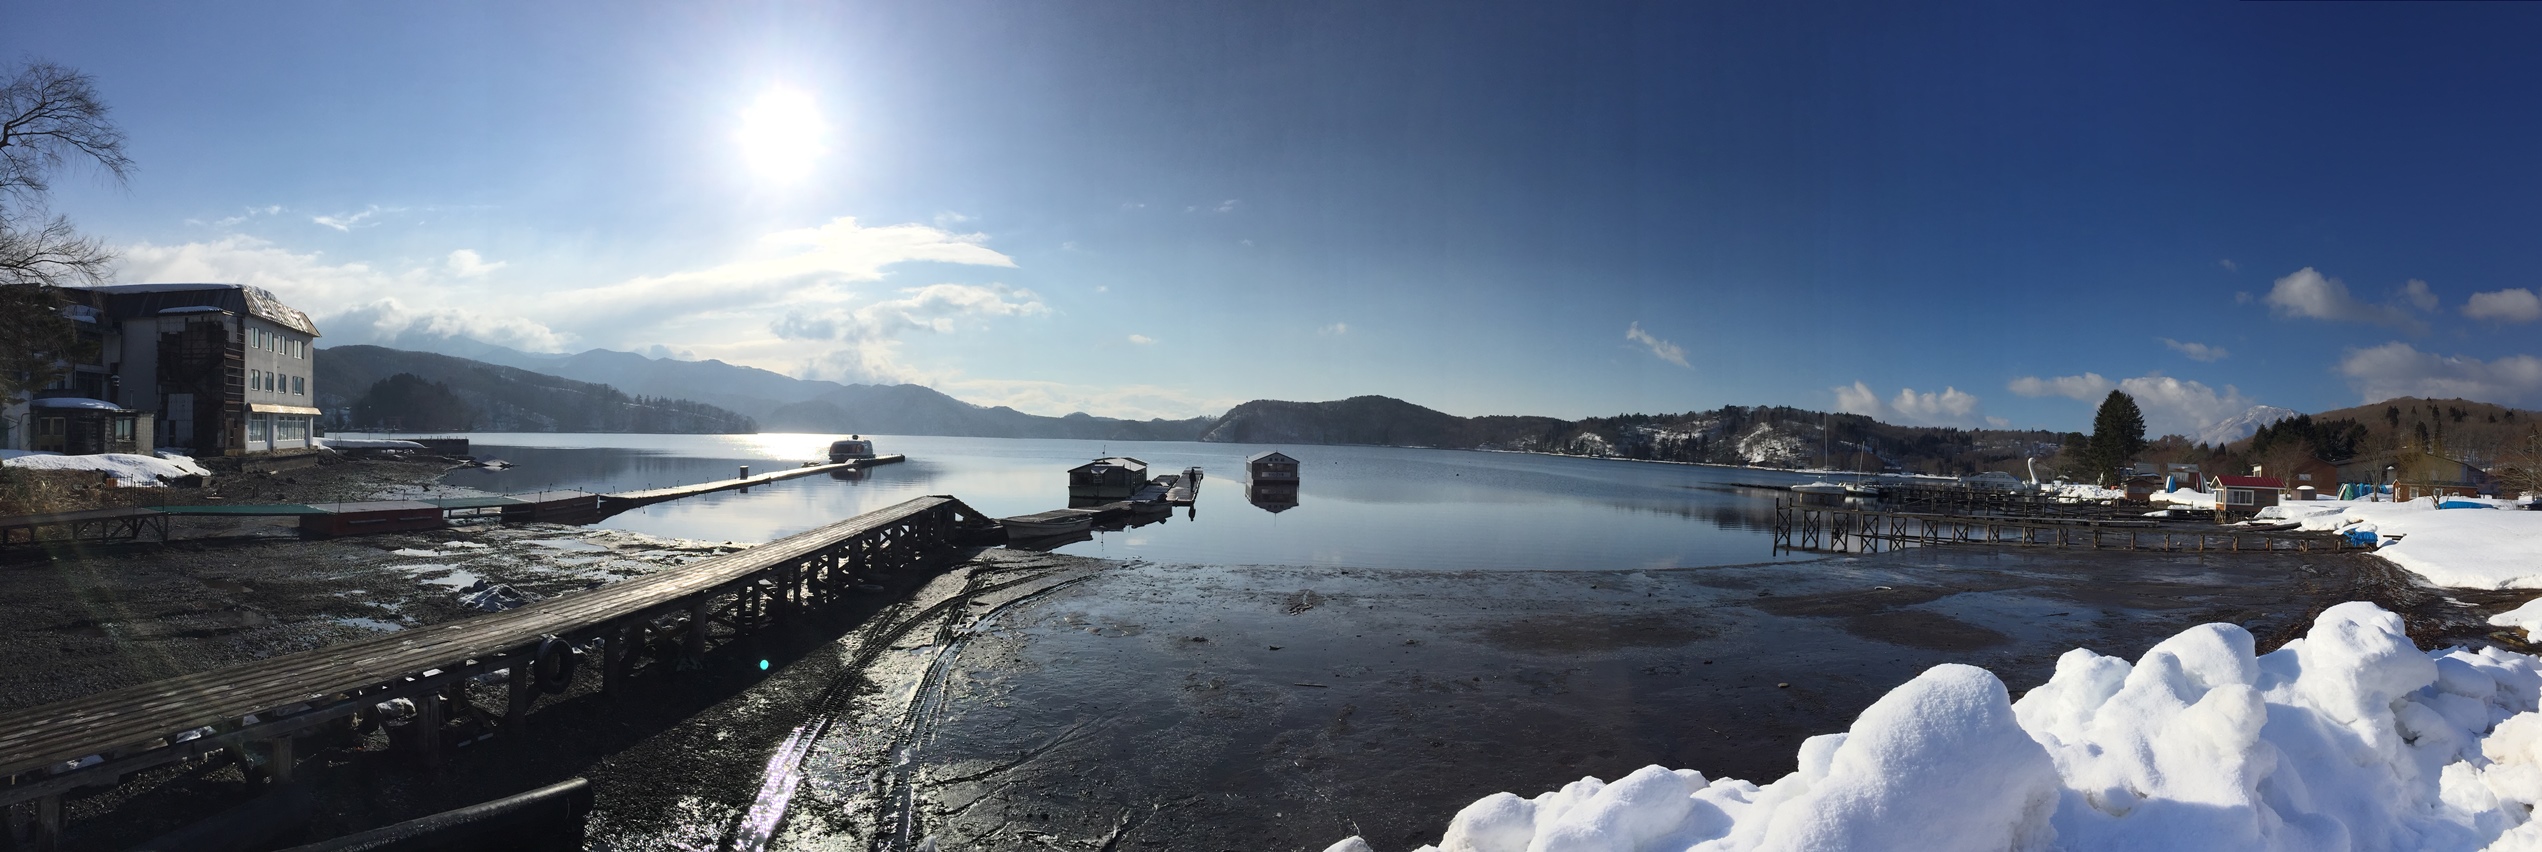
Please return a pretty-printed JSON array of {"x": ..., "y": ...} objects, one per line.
[{"x": 1374, "y": 507}]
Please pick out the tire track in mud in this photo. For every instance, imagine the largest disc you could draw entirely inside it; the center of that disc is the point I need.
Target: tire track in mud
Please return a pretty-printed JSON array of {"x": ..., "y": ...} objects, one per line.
[{"x": 784, "y": 771}]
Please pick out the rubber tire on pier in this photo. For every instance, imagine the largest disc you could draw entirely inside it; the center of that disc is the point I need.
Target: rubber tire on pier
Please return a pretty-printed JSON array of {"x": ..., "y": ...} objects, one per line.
[{"x": 552, "y": 668}]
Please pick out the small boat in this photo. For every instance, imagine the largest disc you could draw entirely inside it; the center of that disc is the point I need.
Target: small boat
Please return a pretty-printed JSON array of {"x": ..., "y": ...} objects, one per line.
[
  {"x": 1053, "y": 522},
  {"x": 1821, "y": 487},
  {"x": 1861, "y": 489},
  {"x": 855, "y": 447}
]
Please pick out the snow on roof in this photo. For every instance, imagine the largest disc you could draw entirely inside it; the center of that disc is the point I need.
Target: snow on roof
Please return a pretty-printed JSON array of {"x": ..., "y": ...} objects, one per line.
[
  {"x": 2350, "y": 737},
  {"x": 124, "y": 301},
  {"x": 74, "y": 402}
]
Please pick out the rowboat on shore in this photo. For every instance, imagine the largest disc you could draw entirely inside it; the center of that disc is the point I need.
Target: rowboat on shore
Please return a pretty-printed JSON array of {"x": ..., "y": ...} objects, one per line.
[{"x": 1053, "y": 522}]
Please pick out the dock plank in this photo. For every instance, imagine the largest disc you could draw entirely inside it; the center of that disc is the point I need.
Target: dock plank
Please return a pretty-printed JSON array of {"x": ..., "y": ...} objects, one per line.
[{"x": 36, "y": 737}]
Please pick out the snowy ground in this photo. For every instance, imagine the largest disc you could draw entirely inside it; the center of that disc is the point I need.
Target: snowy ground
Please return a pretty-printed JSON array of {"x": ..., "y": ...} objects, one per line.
[
  {"x": 128, "y": 469},
  {"x": 2492, "y": 548},
  {"x": 2350, "y": 738}
]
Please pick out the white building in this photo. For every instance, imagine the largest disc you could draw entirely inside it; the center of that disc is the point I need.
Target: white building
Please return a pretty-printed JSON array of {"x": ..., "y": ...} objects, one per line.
[{"x": 225, "y": 369}]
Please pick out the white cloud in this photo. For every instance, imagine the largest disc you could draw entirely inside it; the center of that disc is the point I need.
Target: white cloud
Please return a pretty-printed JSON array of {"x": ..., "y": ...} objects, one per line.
[
  {"x": 2171, "y": 406},
  {"x": 804, "y": 265},
  {"x": 2179, "y": 407},
  {"x": 2398, "y": 369},
  {"x": 2416, "y": 293},
  {"x": 1142, "y": 339},
  {"x": 1335, "y": 330},
  {"x": 1661, "y": 349},
  {"x": 867, "y": 338},
  {"x": 2308, "y": 293},
  {"x": 2088, "y": 387},
  {"x": 2229, "y": 265},
  {"x": 948, "y": 218},
  {"x": 2197, "y": 351},
  {"x": 389, "y": 322},
  {"x": 1947, "y": 407},
  {"x": 2517, "y": 305},
  {"x": 349, "y": 221},
  {"x": 466, "y": 263}
]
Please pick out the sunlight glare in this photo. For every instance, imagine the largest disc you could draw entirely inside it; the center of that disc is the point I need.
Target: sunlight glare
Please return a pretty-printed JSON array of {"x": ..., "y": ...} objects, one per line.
[{"x": 780, "y": 135}]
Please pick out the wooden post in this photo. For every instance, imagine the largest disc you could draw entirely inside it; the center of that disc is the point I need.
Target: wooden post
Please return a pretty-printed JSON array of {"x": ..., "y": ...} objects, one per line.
[
  {"x": 516, "y": 708},
  {"x": 695, "y": 641},
  {"x": 613, "y": 658},
  {"x": 278, "y": 751},
  {"x": 427, "y": 724},
  {"x": 48, "y": 823}
]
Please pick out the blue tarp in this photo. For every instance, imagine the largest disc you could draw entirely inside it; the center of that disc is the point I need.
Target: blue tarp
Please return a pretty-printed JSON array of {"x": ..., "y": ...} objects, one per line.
[
  {"x": 2463, "y": 504},
  {"x": 2358, "y": 538}
]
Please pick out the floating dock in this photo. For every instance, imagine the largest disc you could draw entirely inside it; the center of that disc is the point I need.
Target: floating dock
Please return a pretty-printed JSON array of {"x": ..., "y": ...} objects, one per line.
[{"x": 260, "y": 707}]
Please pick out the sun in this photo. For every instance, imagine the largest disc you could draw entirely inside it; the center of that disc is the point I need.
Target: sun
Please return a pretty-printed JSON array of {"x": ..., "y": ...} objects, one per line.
[{"x": 781, "y": 135}]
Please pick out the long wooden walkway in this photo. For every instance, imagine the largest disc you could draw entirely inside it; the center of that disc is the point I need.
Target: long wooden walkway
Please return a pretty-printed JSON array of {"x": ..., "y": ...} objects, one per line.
[
  {"x": 259, "y": 707},
  {"x": 1853, "y": 530},
  {"x": 359, "y": 518}
]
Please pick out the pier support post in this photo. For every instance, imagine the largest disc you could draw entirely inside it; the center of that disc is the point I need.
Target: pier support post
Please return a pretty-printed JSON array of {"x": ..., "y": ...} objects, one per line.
[
  {"x": 428, "y": 728},
  {"x": 48, "y": 823},
  {"x": 695, "y": 642},
  {"x": 278, "y": 752},
  {"x": 613, "y": 658},
  {"x": 516, "y": 707}
]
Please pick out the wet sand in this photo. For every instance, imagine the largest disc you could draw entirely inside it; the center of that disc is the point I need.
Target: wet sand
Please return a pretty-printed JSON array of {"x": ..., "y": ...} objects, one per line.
[{"x": 1195, "y": 707}]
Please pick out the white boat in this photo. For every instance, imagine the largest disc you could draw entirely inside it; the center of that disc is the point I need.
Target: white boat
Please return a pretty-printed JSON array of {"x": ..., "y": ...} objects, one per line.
[
  {"x": 1053, "y": 522},
  {"x": 1821, "y": 487},
  {"x": 1861, "y": 489}
]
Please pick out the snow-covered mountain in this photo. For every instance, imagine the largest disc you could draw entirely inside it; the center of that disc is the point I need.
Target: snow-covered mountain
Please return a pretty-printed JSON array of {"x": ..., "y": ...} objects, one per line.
[{"x": 2240, "y": 426}]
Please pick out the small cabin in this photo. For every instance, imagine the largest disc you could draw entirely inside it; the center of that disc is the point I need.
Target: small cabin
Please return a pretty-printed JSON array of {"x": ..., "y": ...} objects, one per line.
[
  {"x": 855, "y": 447},
  {"x": 1116, "y": 476},
  {"x": 1271, "y": 466},
  {"x": 81, "y": 426},
  {"x": 2243, "y": 495}
]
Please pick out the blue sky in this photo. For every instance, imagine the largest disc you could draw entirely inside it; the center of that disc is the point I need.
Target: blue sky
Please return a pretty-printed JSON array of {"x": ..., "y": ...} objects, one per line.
[{"x": 1950, "y": 214}]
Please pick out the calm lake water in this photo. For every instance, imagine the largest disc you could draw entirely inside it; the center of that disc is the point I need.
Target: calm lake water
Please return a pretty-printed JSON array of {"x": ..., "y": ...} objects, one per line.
[{"x": 1356, "y": 506}]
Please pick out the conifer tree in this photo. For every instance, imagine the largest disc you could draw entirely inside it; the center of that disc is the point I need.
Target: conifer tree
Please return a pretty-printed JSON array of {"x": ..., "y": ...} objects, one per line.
[{"x": 2118, "y": 435}]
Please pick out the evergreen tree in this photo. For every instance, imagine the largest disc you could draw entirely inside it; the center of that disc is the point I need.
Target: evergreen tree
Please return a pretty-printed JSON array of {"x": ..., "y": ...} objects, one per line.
[{"x": 2118, "y": 435}]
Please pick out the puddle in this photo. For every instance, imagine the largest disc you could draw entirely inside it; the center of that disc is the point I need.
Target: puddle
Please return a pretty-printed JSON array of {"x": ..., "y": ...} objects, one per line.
[{"x": 572, "y": 544}]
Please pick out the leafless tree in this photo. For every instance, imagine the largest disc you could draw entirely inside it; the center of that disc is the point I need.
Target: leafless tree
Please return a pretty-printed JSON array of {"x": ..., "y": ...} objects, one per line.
[{"x": 50, "y": 119}]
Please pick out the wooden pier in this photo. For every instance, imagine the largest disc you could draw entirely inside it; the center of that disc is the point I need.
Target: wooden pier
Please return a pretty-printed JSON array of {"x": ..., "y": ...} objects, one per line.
[
  {"x": 325, "y": 520},
  {"x": 257, "y": 709},
  {"x": 1851, "y": 530}
]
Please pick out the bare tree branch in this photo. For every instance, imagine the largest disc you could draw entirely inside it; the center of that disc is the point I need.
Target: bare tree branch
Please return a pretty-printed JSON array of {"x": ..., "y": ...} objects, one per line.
[
  {"x": 50, "y": 117},
  {"x": 52, "y": 255}
]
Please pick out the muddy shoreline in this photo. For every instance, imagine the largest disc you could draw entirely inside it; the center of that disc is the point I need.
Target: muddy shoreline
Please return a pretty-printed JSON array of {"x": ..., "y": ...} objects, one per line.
[{"x": 1150, "y": 706}]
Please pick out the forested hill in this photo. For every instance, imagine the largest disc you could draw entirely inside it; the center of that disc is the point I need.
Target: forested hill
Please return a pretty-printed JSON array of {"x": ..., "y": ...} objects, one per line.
[
  {"x": 457, "y": 394},
  {"x": 1740, "y": 435}
]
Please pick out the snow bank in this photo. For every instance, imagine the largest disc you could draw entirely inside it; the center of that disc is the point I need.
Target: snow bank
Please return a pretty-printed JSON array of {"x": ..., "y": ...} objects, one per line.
[
  {"x": 2185, "y": 497},
  {"x": 128, "y": 469},
  {"x": 2498, "y": 548},
  {"x": 365, "y": 444},
  {"x": 2349, "y": 738}
]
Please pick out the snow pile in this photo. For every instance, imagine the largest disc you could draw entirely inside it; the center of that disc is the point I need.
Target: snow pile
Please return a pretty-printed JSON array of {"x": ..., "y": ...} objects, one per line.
[
  {"x": 2084, "y": 492},
  {"x": 2350, "y": 738},
  {"x": 2185, "y": 497},
  {"x": 128, "y": 469},
  {"x": 365, "y": 444}
]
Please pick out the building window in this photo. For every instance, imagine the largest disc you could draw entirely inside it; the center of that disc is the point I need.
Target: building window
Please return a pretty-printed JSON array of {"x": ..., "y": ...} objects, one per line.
[
  {"x": 291, "y": 429},
  {"x": 2238, "y": 497},
  {"x": 123, "y": 428},
  {"x": 48, "y": 427},
  {"x": 256, "y": 428},
  {"x": 299, "y": 386}
]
